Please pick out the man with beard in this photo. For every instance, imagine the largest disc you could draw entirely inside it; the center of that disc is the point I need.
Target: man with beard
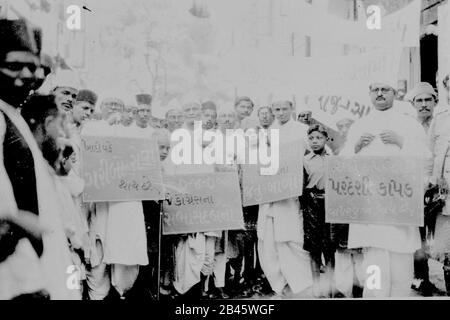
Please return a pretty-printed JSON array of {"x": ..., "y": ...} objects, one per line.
[
  {"x": 45, "y": 122},
  {"x": 386, "y": 132},
  {"x": 20, "y": 232}
]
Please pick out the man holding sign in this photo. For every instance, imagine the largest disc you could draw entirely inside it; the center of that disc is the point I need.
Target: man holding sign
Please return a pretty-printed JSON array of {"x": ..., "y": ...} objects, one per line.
[
  {"x": 387, "y": 248},
  {"x": 280, "y": 226}
]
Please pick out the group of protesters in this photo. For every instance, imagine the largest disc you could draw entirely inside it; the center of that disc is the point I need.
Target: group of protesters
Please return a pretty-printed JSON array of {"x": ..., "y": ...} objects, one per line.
[{"x": 53, "y": 245}]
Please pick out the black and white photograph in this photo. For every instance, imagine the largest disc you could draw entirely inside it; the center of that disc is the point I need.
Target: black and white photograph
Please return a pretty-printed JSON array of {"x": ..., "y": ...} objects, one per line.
[{"x": 195, "y": 152}]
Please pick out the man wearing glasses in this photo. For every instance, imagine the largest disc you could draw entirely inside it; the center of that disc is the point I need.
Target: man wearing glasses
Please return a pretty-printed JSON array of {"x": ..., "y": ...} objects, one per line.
[
  {"x": 65, "y": 85},
  {"x": 386, "y": 132}
]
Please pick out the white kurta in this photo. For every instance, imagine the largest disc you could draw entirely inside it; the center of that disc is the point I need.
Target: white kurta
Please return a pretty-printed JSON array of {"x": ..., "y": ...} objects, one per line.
[
  {"x": 126, "y": 239},
  {"x": 401, "y": 239},
  {"x": 280, "y": 231},
  {"x": 117, "y": 229}
]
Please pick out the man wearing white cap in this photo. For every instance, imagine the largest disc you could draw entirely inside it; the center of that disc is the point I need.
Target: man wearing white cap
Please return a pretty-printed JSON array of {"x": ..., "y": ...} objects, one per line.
[
  {"x": 424, "y": 99},
  {"x": 65, "y": 85},
  {"x": 280, "y": 224},
  {"x": 386, "y": 132}
]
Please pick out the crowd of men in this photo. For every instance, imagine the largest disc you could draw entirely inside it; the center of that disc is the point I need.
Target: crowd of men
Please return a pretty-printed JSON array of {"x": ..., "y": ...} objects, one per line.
[{"x": 54, "y": 245}]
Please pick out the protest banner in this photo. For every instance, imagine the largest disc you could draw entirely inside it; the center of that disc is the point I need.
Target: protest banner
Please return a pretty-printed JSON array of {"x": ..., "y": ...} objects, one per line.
[
  {"x": 202, "y": 202},
  {"x": 375, "y": 190},
  {"x": 287, "y": 183},
  {"x": 120, "y": 169}
]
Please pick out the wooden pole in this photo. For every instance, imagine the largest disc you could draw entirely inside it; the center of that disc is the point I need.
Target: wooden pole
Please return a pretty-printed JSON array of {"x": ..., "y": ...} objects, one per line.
[{"x": 161, "y": 214}]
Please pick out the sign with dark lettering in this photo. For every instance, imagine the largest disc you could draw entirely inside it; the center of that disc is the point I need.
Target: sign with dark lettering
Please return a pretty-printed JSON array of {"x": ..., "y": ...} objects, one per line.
[
  {"x": 120, "y": 169},
  {"x": 286, "y": 183},
  {"x": 374, "y": 190},
  {"x": 202, "y": 202}
]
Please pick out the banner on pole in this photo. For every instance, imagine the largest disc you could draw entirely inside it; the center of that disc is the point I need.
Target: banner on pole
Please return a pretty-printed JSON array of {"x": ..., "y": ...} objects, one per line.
[{"x": 202, "y": 202}]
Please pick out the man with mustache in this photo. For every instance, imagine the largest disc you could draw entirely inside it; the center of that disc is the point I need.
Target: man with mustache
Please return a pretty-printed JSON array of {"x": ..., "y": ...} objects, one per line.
[
  {"x": 424, "y": 98},
  {"x": 65, "y": 89},
  {"x": 386, "y": 132}
]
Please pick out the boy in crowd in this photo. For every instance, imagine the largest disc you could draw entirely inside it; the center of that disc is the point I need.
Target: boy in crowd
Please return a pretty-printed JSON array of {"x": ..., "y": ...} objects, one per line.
[{"x": 317, "y": 239}]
